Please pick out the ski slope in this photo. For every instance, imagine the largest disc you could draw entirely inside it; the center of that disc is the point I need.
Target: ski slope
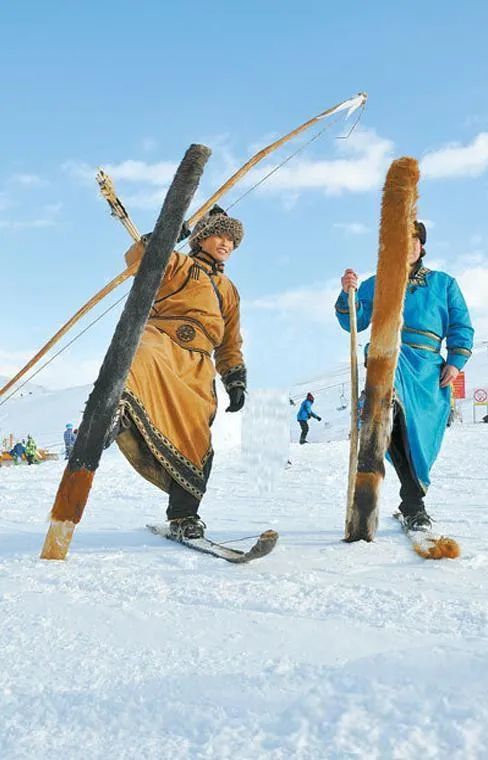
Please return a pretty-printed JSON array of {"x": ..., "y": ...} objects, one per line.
[{"x": 138, "y": 648}]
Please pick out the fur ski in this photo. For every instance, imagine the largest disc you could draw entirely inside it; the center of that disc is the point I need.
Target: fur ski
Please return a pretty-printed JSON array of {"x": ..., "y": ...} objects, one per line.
[
  {"x": 429, "y": 545},
  {"x": 398, "y": 213},
  {"x": 263, "y": 546}
]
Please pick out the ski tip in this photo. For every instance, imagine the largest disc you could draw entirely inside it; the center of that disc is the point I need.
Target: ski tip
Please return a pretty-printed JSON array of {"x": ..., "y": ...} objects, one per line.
[
  {"x": 438, "y": 548},
  {"x": 268, "y": 539},
  {"x": 269, "y": 535}
]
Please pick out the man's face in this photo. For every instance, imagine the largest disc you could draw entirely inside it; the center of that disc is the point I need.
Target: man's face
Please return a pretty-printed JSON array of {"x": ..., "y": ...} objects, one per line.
[
  {"x": 415, "y": 251},
  {"x": 219, "y": 247}
]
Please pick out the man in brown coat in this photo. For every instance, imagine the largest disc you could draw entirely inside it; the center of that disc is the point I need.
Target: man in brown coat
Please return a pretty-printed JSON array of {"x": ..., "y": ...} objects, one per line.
[{"x": 170, "y": 401}]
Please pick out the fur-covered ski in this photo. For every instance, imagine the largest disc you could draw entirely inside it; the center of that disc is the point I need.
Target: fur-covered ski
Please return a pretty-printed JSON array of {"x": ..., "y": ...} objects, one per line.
[
  {"x": 263, "y": 546},
  {"x": 398, "y": 213},
  {"x": 428, "y": 544}
]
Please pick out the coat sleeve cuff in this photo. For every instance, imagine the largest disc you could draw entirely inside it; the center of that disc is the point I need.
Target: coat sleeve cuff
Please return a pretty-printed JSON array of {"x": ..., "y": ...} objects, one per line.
[
  {"x": 342, "y": 303},
  {"x": 235, "y": 377},
  {"x": 458, "y": 357}
]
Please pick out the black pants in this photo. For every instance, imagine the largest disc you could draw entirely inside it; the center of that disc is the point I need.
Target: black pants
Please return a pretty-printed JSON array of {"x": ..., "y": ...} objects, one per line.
[
  {"x": 305, "y": 428},
  {"x": 181, "y": 502},
  {"x": 411, "y": 492}
]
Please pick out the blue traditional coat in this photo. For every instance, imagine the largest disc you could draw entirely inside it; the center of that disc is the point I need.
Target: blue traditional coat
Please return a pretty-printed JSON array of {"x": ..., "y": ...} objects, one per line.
[{"x": 434, "y": 310}]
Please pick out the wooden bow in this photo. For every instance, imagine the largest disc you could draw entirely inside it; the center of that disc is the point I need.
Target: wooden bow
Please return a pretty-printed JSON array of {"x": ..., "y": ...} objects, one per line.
[{"x": 350, "y": 105}]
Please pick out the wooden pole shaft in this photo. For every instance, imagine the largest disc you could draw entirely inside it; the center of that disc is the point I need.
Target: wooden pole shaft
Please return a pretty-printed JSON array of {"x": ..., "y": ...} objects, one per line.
[{"x": 354, "y": 437}]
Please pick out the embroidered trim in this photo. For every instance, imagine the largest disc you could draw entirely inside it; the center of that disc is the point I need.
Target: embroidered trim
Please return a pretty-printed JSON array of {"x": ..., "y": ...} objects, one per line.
[
  {"x": 424, "y": 347},
  {"x": 181, "y": 469},
  {"x": 173, "y": 317},
  {"x": 195, "y": 272},
  {"x": 423, "y": 332},
  {"x": 216, "y": 266},
  {"x": 461, "y": 351},
  {"x": 235, "y": 377},
  {"x": 232, "y": 369},
  {"x": 418, "y": 279},
  {"x": 185, "y": 333},
  {"x": 235, "y": 384}
]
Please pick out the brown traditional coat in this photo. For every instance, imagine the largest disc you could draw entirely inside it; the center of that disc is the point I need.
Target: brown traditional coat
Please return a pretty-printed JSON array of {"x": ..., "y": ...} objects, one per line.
[{"x": 170, "y": 402}]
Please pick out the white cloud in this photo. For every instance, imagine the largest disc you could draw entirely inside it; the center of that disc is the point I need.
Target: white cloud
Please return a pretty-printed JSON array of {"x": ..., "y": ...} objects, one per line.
[
  {"x": 139, "y": 171},
  {"x": 367, "y": 157},
  {"x": 455, "y": 160},
  {"x": 62, "y": 373},
  {"x": 46, "y": 218},
  {"x": 79, "y": 170},
  {"x": 147, "y": 199},
  {"x": 17, "y": 224},
  {"x": 28, "y": 180},
  {"x": 159, "y": 173},
  {"x": 310, "y": 304},
  {"x": 352, "y": 228},
  {"x": 314, "y": 304},
  {"x": 474, "y": 284}
]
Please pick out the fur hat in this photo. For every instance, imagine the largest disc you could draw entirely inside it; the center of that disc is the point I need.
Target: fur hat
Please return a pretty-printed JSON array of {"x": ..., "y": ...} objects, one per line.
[
  {"x": 216, "y": 222},
  {"x": 420, "y": 232},
  {"x": 310, "y": 397}
]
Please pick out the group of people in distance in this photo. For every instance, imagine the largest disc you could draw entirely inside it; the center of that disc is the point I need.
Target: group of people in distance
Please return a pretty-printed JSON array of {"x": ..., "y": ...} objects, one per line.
[
  {"x": 25, "y": 450},
  {"x": 193, "y": 332}
]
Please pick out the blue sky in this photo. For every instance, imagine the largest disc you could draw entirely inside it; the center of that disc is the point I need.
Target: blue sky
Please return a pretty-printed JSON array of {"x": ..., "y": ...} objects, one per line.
[{"x": 129, "y": 86}]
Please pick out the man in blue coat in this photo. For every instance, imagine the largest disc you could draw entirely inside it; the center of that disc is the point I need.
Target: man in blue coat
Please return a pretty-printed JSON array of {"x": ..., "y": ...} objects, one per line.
[
  {"x": 303, "y": 416},
  {"x": 434, "y": 311}
]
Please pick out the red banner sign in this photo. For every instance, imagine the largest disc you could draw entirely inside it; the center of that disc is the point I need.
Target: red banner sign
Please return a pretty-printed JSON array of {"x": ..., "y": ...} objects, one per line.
[{"x": 459, "y": 386}]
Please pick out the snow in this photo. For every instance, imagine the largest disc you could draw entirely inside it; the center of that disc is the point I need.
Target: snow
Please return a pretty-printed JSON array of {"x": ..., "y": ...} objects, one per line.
[{"x": 136, "y": 647}]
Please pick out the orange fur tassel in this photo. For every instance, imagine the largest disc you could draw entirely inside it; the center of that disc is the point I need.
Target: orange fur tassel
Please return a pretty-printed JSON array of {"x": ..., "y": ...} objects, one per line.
[{"x": 438, "y": 548}]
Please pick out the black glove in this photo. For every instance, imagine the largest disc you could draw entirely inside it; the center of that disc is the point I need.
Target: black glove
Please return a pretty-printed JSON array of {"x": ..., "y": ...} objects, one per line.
[
  {"x": 237, "y": 397},
  {"x": 319, "y": 419}
]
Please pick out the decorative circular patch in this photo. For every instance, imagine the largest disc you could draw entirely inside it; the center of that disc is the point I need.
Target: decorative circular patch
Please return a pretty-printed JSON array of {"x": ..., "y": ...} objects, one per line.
[{"x": 185, "y": 333}]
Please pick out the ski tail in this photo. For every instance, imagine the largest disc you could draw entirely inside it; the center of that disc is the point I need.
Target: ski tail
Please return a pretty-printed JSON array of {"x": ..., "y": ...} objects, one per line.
[
  {"x": 428, "y": 545},
  {"x": 437, "y": 548}
]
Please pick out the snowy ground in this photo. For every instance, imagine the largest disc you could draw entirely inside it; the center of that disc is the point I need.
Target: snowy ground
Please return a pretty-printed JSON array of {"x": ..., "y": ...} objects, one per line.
[{"x": 137, "y": 648}]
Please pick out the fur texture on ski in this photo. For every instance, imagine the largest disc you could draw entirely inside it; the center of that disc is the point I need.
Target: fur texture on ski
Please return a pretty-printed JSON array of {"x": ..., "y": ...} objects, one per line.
[
  {"x": 398, "y": 213},
  {"x": 264, "y": 545},
  {"x": 427, "y": 544}
]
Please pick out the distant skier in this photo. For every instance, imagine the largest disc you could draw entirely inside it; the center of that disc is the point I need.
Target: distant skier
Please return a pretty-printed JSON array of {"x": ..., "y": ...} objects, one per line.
[
  {"x": 31, "y": 450},
  {"x": 303, "y": 416},
  {"x": 69, "y": 440},
  {"x": 18, "y": 452},
  {"x": 434, "y": 309},
  {"x": 170, "y": 402}
]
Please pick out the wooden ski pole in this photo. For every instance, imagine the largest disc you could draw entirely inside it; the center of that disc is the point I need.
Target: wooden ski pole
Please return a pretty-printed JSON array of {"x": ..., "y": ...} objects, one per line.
[
  {"x": 354, "y": 437},
  {"x": 102, "y": 404}
]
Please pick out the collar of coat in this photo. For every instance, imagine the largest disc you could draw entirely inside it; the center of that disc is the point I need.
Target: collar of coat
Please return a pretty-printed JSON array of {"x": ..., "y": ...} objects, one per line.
[
  {"x": 418, "y": 276},
  {"x": 212, "y": 266}
]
